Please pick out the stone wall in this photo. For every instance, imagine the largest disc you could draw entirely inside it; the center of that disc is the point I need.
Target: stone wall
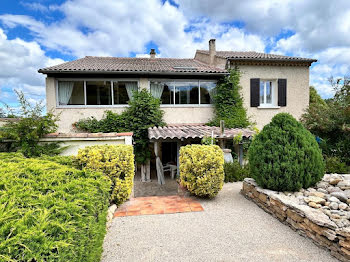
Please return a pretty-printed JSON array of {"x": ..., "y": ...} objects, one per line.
[{"x": 291, "y": 209}]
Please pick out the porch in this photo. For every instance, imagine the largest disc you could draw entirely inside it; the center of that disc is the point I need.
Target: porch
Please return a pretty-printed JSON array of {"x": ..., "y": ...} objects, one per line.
[{"x": 159, "y": 175}]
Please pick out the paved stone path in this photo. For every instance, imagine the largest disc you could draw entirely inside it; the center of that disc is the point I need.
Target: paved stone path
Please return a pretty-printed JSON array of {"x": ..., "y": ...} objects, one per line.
[
  {"x": 231, "y": 228},
  {"x": 156, "y": 205}
]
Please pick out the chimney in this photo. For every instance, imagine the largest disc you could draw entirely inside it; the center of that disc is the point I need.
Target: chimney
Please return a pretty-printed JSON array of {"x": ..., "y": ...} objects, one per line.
[
  {"x": 212, "y": 51},
  {"x": 152, "y": 54}
]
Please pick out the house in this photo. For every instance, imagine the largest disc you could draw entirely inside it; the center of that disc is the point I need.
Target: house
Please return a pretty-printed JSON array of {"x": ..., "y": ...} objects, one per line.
[{"x": 88, "y": 86}]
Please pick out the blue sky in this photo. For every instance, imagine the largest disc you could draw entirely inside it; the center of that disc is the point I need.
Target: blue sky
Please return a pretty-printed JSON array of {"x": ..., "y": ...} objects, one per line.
[{"x": 40, "y": 33}]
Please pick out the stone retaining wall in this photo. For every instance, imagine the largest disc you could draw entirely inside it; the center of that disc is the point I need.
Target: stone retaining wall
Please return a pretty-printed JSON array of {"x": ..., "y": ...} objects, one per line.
[{"x": 308, "y": 221}]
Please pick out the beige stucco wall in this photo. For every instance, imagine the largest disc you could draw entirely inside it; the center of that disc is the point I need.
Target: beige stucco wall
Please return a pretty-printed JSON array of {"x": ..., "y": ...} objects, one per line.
[
  {"x": 297, "y": 99},
  {"x": 72, "y": 145},
  {"x": 297, "y": 90}
]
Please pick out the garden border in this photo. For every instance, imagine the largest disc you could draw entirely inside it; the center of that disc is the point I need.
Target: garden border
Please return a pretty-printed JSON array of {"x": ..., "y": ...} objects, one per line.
[{"x": 307, "y": 221}]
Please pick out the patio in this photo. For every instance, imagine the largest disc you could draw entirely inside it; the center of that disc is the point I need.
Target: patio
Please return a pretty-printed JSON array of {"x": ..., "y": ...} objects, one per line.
[{"x": 231, "y": 228}]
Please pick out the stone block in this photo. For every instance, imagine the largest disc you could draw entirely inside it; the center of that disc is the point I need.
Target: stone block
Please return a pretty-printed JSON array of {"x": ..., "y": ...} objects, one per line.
[
  {"x": 330, "y": 234},
  {"x": 262, "y": 197},
  {"x": 345, "y": 244},
  {"x": 294, "y": 215}
]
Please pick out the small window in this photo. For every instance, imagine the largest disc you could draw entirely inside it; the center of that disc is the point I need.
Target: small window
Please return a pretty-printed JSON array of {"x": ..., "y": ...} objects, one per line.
[
  {"x": 186, "y": 93},
  {"x": 267, "y": 90},
  {"x": 207, "y": 92},
  {"x": 123, "y": 91},
  {"x": 71, "y": 93},
  {"x": 98, "y": 93}
]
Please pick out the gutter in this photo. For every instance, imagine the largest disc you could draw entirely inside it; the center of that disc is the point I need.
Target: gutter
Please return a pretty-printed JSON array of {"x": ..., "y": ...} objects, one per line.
[{"x": 129, "y": 72}]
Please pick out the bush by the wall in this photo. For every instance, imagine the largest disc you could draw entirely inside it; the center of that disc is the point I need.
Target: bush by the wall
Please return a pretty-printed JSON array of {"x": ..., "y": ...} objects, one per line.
[
  {"x": 202, "y": 169},
  {"x": 115, "y": 161},
  {"x": 284, "y": 156},
  {"x": 50, "y": 212},
  {"x": 235, "y": 172},
  {"x": 334, "y": 165}
]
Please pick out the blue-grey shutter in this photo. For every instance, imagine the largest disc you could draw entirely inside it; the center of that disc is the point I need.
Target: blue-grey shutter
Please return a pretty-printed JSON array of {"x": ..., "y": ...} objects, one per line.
[
  {"x": 282, "y": 92},
  {"x": 254, "y": 92}
]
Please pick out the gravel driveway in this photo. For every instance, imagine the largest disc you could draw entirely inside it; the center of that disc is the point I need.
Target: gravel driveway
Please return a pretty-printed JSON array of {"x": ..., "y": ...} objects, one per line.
[{"x": 231, "y": 228}]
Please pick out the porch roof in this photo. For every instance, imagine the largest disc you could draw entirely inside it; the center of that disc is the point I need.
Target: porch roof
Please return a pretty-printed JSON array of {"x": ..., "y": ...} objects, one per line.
[{"x": 183, "y": 131}]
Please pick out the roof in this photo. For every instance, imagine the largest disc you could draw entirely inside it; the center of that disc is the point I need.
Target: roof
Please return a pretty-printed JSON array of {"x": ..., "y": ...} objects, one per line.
[
  {"x": 84, "y": 135},
  {"x": 180, "y": 131},
  {"x": 94, "y": 64},
  {"x": 255, "y": 56}
]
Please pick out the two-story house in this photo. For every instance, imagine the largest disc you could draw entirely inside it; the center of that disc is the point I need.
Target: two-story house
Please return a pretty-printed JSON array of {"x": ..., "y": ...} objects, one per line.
[{"x": 88, "y": 86}]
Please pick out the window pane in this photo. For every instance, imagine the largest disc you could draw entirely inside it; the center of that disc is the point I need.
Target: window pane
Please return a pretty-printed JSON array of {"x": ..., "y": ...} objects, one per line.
[
  {"x": 71, "y": 93},
  {"x": 268, "y": 92},
  {"x": 186, "y": 93},
  {"x": 262, "y": 83},
  {"x": 163, "y": 90},
  {"x": 98, "y": 92},
  {"x": 207, "y": 92},
  {"x": 120, "y": 93}
]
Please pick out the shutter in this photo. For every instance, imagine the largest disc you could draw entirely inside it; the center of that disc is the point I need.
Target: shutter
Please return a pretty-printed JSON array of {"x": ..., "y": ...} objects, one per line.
[
  {"x": 282, "y": 92},
  {"x": 254, "y": 92}
]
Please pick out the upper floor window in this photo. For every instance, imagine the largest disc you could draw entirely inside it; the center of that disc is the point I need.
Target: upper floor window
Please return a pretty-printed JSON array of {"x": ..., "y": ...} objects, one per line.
[
  {"x": 267, "y": 92},
  {"x": 71, "y": 93},
  {"x": 95, "y": 92},
  {"x": 98, "y": 93},
  {"x": 183, "y": 92}
]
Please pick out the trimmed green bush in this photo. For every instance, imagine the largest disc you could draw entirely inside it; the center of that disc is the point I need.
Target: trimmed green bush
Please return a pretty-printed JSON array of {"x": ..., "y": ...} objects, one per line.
[
  {"x": 334, "y": 165},
  {"x": 116, "y": 162},
  {"x": 202, "y": 169},
  {"x": 50, "y": 212},
  {"x": 284, "y": 156},
  {"x": 235, "y": 172}
]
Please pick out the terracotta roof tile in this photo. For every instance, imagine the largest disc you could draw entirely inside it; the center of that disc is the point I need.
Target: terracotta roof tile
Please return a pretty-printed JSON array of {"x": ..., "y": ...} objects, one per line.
[
  {"x": 180, "y": 131},
  {"x": 96, "y": 64},
  {"x": 255, "y": 56}
]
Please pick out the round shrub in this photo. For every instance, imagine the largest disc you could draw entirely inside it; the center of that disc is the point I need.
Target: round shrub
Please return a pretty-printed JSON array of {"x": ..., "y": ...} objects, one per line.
[
  {"x": 115, "y": 161},
  {"x": 202, "y": 169},
  {"x": 284, "y": 156}
]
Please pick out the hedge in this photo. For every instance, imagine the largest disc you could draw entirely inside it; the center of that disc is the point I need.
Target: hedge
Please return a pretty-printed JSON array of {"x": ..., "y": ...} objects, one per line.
[
  {"x": 115, "y": 161},
  {"x": 202, "y": 169},
  {"x": 50, "y": 212},
  {"x": 235, "y": 172},
  {"x": 284, "y": 156}
]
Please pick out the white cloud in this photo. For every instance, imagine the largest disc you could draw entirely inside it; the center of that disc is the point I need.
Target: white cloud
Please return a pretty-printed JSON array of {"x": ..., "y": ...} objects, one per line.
[
  {"x": 118, "y": 28},
  {"x": 19, "y": 62}
]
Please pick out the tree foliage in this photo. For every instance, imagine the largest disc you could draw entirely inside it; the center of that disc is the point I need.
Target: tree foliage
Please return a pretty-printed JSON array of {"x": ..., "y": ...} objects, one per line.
[
  {"x": 31, "y": 125},
  {"x": 143, "y": 112},
  {"x": 330, "y": 120},
  {"x": 284, "y": 156},
  {"x": 228, "y": 102}
]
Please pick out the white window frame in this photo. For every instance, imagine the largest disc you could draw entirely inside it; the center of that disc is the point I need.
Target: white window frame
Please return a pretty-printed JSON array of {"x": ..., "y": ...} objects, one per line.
[
  {"x": 173, "y": 86},
  {"x": 273, "y": 103},
  {"x": 85, "y": 95}
]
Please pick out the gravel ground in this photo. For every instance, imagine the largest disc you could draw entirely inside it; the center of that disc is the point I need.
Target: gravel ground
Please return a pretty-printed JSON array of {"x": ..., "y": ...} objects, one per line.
[{"x": 231, "y": 228}]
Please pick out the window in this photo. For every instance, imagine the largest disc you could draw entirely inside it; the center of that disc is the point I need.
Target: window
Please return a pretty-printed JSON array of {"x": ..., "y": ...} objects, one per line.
[
  {"x": 163, "y": 90},
  {"x": 207, "y": 91},
  {"x": 98, "y": 93},
  {"x": 186, "y": 93},
  {"x": 267, "y": 92},
  {"x": 123, "y": 91},
  {"x": 71, "y": 93},
  {"x": 183, "y": 92}
]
